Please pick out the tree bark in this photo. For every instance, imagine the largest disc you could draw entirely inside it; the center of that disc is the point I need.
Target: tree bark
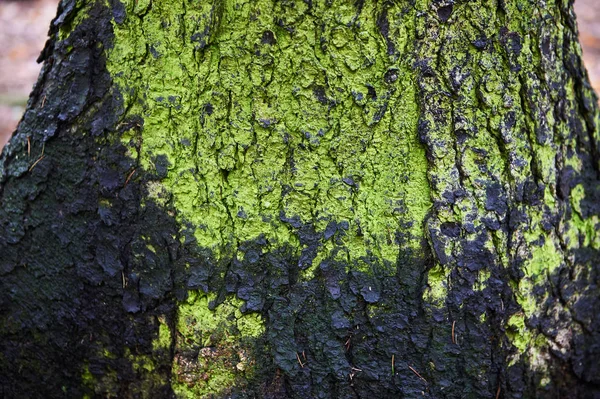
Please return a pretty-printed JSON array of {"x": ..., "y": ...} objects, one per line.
[{"x": 286, "y": 199}]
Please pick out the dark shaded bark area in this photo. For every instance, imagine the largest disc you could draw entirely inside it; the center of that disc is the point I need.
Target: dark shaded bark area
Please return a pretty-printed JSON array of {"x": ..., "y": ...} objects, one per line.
[
  {"x": 543, "y": 100},
  {"x": 63, "y": 305},
  {"x": 90, "y": 266}
]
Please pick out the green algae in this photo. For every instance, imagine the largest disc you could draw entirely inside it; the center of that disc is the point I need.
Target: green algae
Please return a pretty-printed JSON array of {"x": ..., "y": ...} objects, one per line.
[
  {"x": 251, "y": 130},
  {"x": 164, "y": 339},
  {"x": 482, "y": 278},
  {"x": 437, "y": 286},
  {"x": 520, "y": 336},
  {"x": 105, "y": 385},
  {"x": 532, "y": 345},
  {"x": 143, "y": 365},
  {"x": 72, "y": 20},
  {"x": 221, "y": 337},
  {"x": 545, "y": 259},
  {"x": 254, "y": 128},
  {"x": 582, "y": 231},
  {"x": 87, "y": 378},
  {"x": 246, "y": 128}
]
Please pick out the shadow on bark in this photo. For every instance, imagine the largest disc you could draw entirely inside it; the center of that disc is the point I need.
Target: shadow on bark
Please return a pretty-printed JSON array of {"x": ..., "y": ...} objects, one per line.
[{"x": 92, "y": 267}]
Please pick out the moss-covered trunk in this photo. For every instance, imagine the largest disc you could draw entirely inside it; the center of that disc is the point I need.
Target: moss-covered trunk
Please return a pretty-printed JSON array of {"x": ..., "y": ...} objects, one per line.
[{"x": 329, "y": 199}]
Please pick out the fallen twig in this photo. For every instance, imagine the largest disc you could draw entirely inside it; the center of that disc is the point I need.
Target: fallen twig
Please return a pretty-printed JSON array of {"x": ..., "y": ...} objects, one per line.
[
  {"x": 453, "y": 336},
  {"x": 417, "y": 373},
  {"x": 36, "y": 162}
]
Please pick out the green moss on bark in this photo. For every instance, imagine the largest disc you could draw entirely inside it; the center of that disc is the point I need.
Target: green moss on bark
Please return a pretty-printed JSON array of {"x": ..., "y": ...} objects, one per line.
[
  {"x": 215, "y": 346},
  {"x": 279, "y": 196},
  {"x": 246, "y": 127}
]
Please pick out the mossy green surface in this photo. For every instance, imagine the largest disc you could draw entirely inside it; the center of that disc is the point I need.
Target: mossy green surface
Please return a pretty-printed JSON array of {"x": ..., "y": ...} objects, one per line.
[
  {"x": 360, "y": 117},
  {"x": 248, "y": 123},
  {"x": 251, "y": 129},
  {"x": 164, "y": 339},
  {"x": 278, "y": 196},
  {"x": 221, "y": 343}
]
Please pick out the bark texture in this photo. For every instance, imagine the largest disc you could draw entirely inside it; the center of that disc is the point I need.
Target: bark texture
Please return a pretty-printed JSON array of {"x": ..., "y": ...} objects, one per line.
[{"x": 287, "y": 199}]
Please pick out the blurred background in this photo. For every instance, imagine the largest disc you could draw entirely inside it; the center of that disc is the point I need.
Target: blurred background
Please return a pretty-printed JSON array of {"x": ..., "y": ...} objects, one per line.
[{"x": 24, "y": 26}]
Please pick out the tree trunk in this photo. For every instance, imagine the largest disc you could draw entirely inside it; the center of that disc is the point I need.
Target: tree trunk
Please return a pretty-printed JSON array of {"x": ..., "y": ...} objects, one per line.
[{"x": 297, "y": 199}]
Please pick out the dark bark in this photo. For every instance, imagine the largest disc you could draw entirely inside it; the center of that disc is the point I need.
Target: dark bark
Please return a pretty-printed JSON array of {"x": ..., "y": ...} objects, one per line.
[{"x": 108, "y": 287}]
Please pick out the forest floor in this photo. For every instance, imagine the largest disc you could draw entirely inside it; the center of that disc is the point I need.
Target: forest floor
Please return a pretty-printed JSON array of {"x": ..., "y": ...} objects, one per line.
[{"x": 24, "y": 26}]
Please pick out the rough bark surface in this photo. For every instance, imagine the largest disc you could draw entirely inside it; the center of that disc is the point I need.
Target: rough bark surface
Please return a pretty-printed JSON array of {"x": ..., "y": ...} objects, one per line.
[{"x": 304, "y": 199}]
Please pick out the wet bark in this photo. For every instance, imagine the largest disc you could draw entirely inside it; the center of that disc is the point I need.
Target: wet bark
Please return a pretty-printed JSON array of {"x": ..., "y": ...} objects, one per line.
[{"x": 304, "y": 199}]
